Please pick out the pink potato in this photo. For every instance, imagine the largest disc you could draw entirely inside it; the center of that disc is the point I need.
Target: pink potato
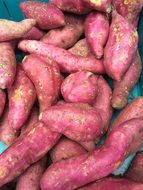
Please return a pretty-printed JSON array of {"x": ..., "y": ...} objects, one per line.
[
  {"x": 77, "y": 121},
  {"x": 30, "y": 147},
  {"x": 68, "y": 35},
  {"x": 72, "y": 6},
  {"x": 96, "y": 32},
  {"x": 80, "y": 87},
  {"x": 2, "y": 101},
  {"x": 10, "y": 30},
  {"x": 66, "y": 61},
  {"x": 129, "y": 9},
  {"x": 7, "y": 65},
  {"x": 21, "y": 96},
  {"x": 122, "y": 88},
  {"x": 34, "y": 34},
  {"x": 120, "y": 48},
  {"x": 47, "y": 82},
  {"x": 46, "y": 15},
  {"x": 94, "y": 165},
  {"x": 65, "y": 149}
]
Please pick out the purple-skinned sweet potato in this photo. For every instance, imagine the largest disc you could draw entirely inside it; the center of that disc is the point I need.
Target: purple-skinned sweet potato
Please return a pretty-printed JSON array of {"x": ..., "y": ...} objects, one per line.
[
  {"x": 68, "y": 35},
  {"x": 135, "y": 171},
  {"x": 129, "y": 9},
  {"x": 34, "y": 34},
  {"x": 72, "y": 6},
  {"x": 96, "y": 32},
  {"x": 22, "y": 96},
  {"x": 30, "y": 147},
  {"x": 47, "y": 82},
  {"x": 120, "y": 48},
  {"x": 122, "y": 88},
  {"x": 77, "y": 121},
  {"x": 65, "y": 149},
  {"x": 80, "y": 87},
  {"x": 66, "y": 61},
  {"x": 78, "y": 171},
  {"x": 46, "y": 15},
  {"x": 7, "y": 65},
  {"x": 10, "y": 30},
  {"x": 2, "y": 101}
]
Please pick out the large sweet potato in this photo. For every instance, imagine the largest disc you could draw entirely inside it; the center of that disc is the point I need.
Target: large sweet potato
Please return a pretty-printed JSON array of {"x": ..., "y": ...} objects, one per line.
[
  {"x": 120, "y": 48},
  {"x": 2, "y": 101},
  {"x": 46, "y": 15},
  {"x": 67, "y": 62},
  {"x": 34, "y": 34}
]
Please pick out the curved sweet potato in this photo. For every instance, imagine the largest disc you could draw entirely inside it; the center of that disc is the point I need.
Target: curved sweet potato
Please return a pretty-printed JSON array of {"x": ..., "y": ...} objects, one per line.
[
  {"x": 2, "y": 101},
  {"x": 34, "y": 34}
]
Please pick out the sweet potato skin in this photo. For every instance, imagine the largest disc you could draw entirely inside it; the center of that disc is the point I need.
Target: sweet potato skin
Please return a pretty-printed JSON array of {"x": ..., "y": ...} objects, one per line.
[
  {"x": 120, "y": 48},
  {"x": 10, "y": 30},
  {"x": 47, "y": 83},
  {"x": 122, "y": 88},
  {"x": 8, "y": 65},
  {"x": 66, "y": 61},
  {"x": 80, "y": 87},
  {"x": 2, "y": 101},
  {"x": 46, "y": 15},
  {"x": 22, "y": 96},
  {"x": 68, "y": 35},
  {"x": 34, "y": 34},
  {"x": 96, "y": 32}
]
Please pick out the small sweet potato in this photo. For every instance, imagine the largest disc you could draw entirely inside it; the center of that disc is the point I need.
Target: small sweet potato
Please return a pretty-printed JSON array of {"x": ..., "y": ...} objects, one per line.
[
  {"x": 34, "y": 34},
  {"x": 67, "y": 62},
  {"x": 96, "y": 32},
  {"x": 2, "y": 101},
  {"x": 46, "y": 15},
  {"x": 120, "y": 48},
  {"x": 68, "y": 35},
  {"x": 129, "y": 9},
  {"x": 7, "y": 65},
  {"x": 10, "y": 30},
  {"x": 47, "y": 82},
  {"x": 122, "y": 88},
  {"x": 64, "y": 149},
  {"x": 80, "y": 87},
  {"x": 22, "y": 96}
]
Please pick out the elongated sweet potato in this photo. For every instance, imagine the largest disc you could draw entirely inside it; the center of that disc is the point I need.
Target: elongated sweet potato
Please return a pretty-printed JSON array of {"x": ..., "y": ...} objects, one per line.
[
  {"x": 120, "y": 48},
  {"x": 73, "y": 6},
  {"x": 122, "y": 88},
  {"x": 129, "y": 9},
  {"x": 2, "y": 101},
  {"x": 46, "y": 15},
  {"x": 135, "y": 171},
  {"x": 68, "y": 35},
  {"x": 34, "y": 34},
  {"x": 30, "y": 147},
  {"x": 96, "y": 32},
  {"x": 66, "y": 148},
  {"x": 10, "y": 30},
  {"x": 22, "y": 96},
  {"x": 7, "y": 65},
  {"x": 47, "y": 82},
  {"x": 67, "y": 62},
  {"x": 80, "y": 87},
  {"x": 78, "y": 171},
  {"x": 77, "y": 121}
]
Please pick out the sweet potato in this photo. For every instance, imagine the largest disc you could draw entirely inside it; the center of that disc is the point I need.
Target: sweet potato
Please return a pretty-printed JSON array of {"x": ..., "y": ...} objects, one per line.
[
  {"x": 78, "y": 171},
  {"x": 113, "y": 184},
  {"x": 120, "y": 48},
  {"x": 66, "y": 148},
  {"x": 10, "y": 30},
  {"x": 73, "y": 6},
  {"x": 68, "y": 35},
  {"x": 46, "y": 15},
  {"x": 22, "y": 96},
  {"x": 77, "y": 121},
  {"x": 7, "y": 65},
  {"x": 80, "y": 87},
  {"x": 2, "y": 101},
  {"x": 129, "y": 9},
  {"x": 122, "y": 88},
  {"x": 47, "y": 82},
  {"x": 135, "y": 171},
  {"x": 30, "y": 147},
  {"x": 96, "y": 32},
  {"x": 67, "y": 62},
  {"x": 34, "y": 34},
  {"x": 88, "y": 145}
]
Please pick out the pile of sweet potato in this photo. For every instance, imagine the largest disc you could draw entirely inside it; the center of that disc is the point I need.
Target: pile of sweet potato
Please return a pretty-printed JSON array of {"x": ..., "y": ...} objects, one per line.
[{"x": 58, "y": 99}]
